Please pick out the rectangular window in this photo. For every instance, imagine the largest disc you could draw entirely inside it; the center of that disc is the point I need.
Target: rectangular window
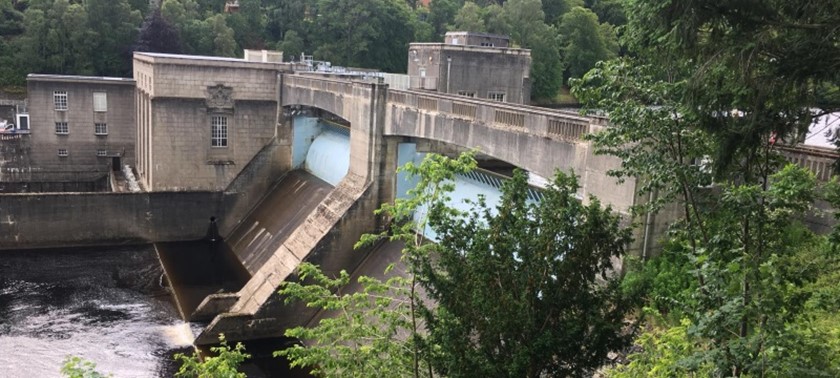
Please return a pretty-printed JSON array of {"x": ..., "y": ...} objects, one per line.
[
  {"x": 496, "y": 96},
  {"x": 100, "y": 128},
  {"x": 61, "y": 128},
  {"x": 219, "y": 131},
  {"x": 101, "y": 153},
  {"x": 60, "y": 100},
  {"x": 63, "y": 152},
  {"x": 466, "y": 93},
  {"x": 100, "y": 102}
]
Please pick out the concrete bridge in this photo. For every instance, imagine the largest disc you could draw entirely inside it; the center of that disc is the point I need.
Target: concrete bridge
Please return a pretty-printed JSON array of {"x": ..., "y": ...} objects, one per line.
[
  {"x": 535, "y": 139},
  {"x": 380, "y": 120}
]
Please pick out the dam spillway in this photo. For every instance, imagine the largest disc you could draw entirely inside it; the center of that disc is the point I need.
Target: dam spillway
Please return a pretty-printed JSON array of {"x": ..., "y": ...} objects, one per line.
[{"x": 282, "y": 211}]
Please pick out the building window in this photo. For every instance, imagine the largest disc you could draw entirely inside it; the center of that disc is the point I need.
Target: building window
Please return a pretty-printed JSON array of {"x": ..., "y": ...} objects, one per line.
[
  {"x": 62, "y": 152},
  {"x": 100, "y": 102},
  {"x": 61, "y": 128},
  {"x": 101, "y": 153},
  {"x": 488, "y": 44},
  {"x": 100, "y": 128},
  {"x": 219, "y": 131},
  {"x": 496, "y": 96},
  {"x": 60, "y": 100},
  {"x": 466, "y": 93}
]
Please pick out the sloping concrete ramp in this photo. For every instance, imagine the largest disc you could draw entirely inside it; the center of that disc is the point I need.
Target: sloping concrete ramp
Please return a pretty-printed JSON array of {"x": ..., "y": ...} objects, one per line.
[
  {"x": 245, "y": 314},
  {"x": 272, "y": 221}
]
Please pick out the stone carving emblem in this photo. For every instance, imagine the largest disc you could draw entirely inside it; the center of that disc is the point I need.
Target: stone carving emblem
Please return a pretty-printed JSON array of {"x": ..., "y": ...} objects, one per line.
[{"x": 220, "y": 97}]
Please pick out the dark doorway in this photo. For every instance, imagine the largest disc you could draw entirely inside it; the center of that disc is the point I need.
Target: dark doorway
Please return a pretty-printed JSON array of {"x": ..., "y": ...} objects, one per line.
[{"x": 115, "y": 163}]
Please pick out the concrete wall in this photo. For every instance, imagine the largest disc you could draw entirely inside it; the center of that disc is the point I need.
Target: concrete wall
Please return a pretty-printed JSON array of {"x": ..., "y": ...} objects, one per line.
[
  {"x": 68, "y": 219},
  {"x": 478, "y": 71},
  {"x": 535, "y": 139},
  {"x": 81, "y": 142},
  {"x": 183, "y": 156},
  {"x": 178, "y": 96},
  {"x": 476, "y": 39},
  {"x": 329, "y": 232}
]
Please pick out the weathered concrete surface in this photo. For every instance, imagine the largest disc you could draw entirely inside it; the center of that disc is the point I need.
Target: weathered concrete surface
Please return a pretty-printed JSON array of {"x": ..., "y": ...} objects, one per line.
[
  {"x": 538, "y": 140},
  {"x": 81, "y": 141},
  {"x": 177, "y": 98},
  {"x": 71, "y": 219},
  {"x": 279, "y": 214},
  {"x": 40, "y": 220},
  {"x": 329, "y": 232}
]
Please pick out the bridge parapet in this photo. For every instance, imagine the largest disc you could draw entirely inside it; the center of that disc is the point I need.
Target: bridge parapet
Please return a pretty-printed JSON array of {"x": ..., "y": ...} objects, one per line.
[
  {"x": 333, "y": 86},
  {"x": 820, "y": 161},
  {"x": 553, "y": 124}
]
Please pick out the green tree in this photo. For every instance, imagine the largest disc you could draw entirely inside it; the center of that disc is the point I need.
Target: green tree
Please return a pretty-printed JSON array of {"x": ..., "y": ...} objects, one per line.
[
  {"x": 292, "y": 45},
  {"x": 116, "y": 26},
  {"x": 223, "y": 364},
  {"x": 441, "y": 15},
  {"x": 248, "y": 25},
  {"x": 157, "y": 34},
  {"x": 584, "y": 42},
  {"x": 525, "y": 20},
  {"x": 555, "y": 9},
  {"x": 367, "y": 33},
  {"x": 376, "y": 330},
  {"x": 690, "y": 107},
  {"x": 469, "y": 18},
  {"x": 516, "y": 311},
  {"x": 525, "y": 289}
]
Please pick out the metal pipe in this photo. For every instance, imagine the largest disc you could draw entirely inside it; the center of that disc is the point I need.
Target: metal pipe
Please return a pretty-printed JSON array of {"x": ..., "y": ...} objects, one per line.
[{"x": 448, "y": 69}]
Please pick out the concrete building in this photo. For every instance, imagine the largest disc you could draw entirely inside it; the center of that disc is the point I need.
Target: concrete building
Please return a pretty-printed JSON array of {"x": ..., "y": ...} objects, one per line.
[
  {"x": 201, "y": 119},
  {"x": 473, "y": 65},
  {"x": 476, "y": 39},
  {"x": 81, "y": 126}
]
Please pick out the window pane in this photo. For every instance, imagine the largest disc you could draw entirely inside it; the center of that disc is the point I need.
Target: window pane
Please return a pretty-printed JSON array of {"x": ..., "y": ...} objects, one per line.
[
  {"x": 100, "y": 102},
  {"x": 60, "y": 100},
  {"x": 218, "y": 131},
  {"x": 61, "y": 128}
]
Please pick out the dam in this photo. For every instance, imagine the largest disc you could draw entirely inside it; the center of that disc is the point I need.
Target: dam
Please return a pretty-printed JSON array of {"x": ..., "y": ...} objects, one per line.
[{"x": 289, "y": 165}]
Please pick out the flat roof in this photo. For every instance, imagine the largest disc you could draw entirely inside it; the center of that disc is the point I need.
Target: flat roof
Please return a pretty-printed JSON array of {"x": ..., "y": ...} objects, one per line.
[
  {"x": 486, "y": 49},
  {"x": 201, "y": 60},
  {"x": 191, "y": 57},
  {"x": 478, "y": 34},
  {"x": 80, "y": 79}
]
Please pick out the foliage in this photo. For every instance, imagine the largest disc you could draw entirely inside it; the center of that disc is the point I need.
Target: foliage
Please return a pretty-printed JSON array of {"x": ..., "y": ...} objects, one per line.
[
  {"x": 767, "y": 59},
  {"x": 584, "y": 41},
  {"x": 470, "y": 18},
  {"x": 224, "y": 364},
  {"x": 366, "y": 334},
  {"x": 528, "y": 322},
  {"x": 77, "y": 367},
  {"x": 700, "y": 101},
  {"x": 663, "y": 350},
  {"x": 158, "y": 35},
  {"x": 525, "y": 289},
  {"x": 375, "y": 330},
  {"x": 96, "y": 37}
]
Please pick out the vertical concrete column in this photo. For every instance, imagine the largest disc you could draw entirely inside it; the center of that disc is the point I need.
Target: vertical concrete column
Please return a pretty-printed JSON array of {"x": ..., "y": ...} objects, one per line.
[
  {"x": 367, "y": 129},
  {"x": 138, "y": 122},
  {"x": 150, "y": 142},
  {"x": 283, "y": 132}
]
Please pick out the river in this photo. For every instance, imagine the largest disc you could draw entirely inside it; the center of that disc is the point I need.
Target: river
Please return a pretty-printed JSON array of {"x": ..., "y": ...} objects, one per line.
[{"x": 103, "y": 304}]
